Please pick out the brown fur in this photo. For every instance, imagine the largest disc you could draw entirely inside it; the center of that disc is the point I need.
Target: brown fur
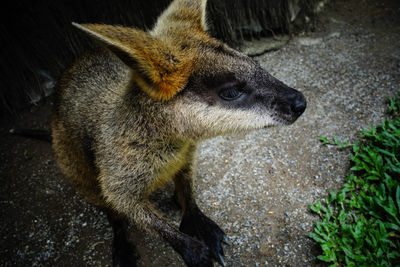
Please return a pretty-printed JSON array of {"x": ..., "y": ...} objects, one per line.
[
  {"x": 165, "y": 67},
  {"x": 128, "y": 118}
]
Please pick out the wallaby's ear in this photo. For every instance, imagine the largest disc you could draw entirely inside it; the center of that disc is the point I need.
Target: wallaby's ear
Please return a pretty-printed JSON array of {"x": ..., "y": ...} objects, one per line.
[
  {"x": 160, "y": 69},
  {"x": 186, "y": 14}
]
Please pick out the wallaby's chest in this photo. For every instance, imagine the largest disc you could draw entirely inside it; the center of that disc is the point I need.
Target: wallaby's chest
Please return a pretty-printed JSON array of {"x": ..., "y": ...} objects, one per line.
[{"x": 170, "y": 166}]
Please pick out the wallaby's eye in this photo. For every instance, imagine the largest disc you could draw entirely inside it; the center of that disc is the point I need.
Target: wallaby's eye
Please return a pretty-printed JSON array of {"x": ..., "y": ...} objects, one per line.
[{"x": 230, "y": 94}]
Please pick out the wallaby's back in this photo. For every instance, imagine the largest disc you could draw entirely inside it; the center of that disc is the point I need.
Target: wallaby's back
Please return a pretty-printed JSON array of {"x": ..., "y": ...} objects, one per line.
[{"x": 86, "y": 93}]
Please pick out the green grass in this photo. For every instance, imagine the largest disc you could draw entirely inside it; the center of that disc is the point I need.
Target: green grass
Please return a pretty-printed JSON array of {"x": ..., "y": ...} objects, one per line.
[{"x": 360, "y": 224}]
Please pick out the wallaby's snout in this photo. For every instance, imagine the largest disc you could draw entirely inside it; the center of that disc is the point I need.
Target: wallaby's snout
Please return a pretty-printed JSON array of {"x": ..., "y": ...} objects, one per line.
[
  {"x": 290, "y": 104},
  {"x": 298, "y": 104},
  {"x": 284, "y": 103}
]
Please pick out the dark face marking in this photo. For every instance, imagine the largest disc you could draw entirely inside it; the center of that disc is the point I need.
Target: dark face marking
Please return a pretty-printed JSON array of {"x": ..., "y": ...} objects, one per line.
[
  {"x": 219, "y": 48},
  {"x": 230, "y": 80},
  {"x": 219, "y": 79},
  {"x": 240, "y": 83}
]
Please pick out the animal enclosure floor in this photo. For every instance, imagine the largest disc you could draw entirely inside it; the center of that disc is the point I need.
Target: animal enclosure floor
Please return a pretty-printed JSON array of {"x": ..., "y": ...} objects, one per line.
[{"x": 257, "y": 186}]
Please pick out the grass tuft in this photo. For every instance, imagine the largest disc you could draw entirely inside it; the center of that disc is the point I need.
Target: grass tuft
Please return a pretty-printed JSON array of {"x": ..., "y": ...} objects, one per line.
[{"x": 360, "y": 224}]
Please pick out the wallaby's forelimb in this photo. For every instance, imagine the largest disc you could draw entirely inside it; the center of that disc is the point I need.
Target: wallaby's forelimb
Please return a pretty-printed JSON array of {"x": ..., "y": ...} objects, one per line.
[
  {"x": 193, "y": 251},
  {"x": 194, "y": 222},
  {"x": 183, "y": 190}
]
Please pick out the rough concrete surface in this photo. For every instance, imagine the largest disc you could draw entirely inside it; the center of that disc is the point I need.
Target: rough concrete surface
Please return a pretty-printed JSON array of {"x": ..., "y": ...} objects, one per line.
[{"x": 257, "y": 186}]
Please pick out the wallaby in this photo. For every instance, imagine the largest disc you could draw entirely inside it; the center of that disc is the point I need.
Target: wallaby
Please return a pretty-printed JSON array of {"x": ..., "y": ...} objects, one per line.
[{"x": 128, "y": 117}]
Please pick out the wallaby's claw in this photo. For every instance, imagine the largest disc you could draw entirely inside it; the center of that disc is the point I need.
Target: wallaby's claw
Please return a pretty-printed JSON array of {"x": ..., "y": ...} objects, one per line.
[
  {"x": 220, "y": 260},
  {"x": 226, "y": 241}
]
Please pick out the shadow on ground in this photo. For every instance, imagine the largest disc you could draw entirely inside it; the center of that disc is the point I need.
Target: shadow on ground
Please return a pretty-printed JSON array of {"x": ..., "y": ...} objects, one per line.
[{"x": 256, "y": 186}]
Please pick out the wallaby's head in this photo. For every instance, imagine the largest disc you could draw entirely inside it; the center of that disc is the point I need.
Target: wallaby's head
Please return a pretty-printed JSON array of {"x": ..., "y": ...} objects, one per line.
[{"x": 205, "y": 87}]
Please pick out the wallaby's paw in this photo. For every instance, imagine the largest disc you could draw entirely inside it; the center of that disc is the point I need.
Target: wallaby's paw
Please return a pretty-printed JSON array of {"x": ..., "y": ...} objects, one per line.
[
  {"x": 196, "y": 224},
  {"x": 197, "y": 254}
]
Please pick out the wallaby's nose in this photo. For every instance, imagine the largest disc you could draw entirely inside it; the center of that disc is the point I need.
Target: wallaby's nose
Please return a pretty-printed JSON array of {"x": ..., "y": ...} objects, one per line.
[{"x": 298, "y": 103}]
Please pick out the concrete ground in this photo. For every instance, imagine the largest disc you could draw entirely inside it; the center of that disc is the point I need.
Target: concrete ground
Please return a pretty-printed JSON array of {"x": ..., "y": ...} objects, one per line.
[{"x": 257, "y": 186}]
